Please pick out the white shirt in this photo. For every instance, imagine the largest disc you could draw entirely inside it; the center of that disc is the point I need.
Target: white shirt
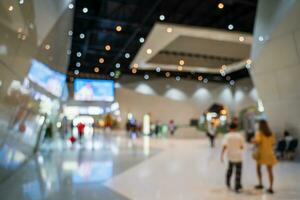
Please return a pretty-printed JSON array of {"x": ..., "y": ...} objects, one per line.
[{"x": 235, "y": 144}]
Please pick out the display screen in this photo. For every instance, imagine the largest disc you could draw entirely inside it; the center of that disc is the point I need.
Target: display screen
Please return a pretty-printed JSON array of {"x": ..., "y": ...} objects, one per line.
[
  {"x": 93, "y": 90},
  {"x": 47, "y": 78}
]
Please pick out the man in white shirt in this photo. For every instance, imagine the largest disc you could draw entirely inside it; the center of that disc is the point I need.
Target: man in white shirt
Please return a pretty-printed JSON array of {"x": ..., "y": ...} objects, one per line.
[{"x": 234, "y": 144}]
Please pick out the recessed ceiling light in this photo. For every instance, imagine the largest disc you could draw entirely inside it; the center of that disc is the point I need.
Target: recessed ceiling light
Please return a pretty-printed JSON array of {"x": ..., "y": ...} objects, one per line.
[
  {"x": 181, "y": 62},
  {"x": 230, "y": 27},
  {"x": 76, "y": 72},
  {"x": 142, "y": 40},
  {"x": 228, "y": 78},
  {"x": 177, "y": 78},
  {"x": 47, "y": 46},
  {"x": 249, "y": 61},
  {"x": 180, "y": 68},
  {"x": 101, "y": 60},
  {"x": 261, "y": 38},
  {"x": 78, "y": 54},
  {"x": 220, "y": 5},
  {"x": 135, "y": 65},
  {"x": 200, "y": 78},
  {"x": 107, "y": 47},
  {"x": 162, "y": 17},
  {"x": 241, "y": 39},
  {"x": 96, "y": 69},
  {"x": 169, "y": 30},
  {"x": 69, "y": 52},
  {"x": 232, "y": 82},
  {"x": 157, "y": 69},
  {"x": 71, "y": 6},
  {"x": 85, "y": 10},
  {"x": 205, "y": 80},
  {"x": 168, "y": 74},
  {"x": 146, "y": 76},
  {"x": 82, "y": 36},
  {"x": 119, "y": 28},
  {"x": 21, "y": 1},
  {"x": 78, "y": 64},
  {"x": 112, "y": 74},
  {"x": 149, "y": 51},
  {"x": 70, "y": 33},
  {"x": 134, "y": 70},
  {"x": 118, "y": 65},
  {"x": 127, "y": 55}
]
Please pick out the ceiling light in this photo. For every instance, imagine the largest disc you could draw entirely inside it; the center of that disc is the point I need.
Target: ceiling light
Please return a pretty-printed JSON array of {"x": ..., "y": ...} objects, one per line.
[
  {"x": 157, "y": 69},
  {"x": 181, "y": 62},
  {"x": 168, "y": 74},
  {"x": 249, "y": 61},
  {"x": 47, "y": 46},
  {"x": 21, "y": 1},
  {"x": 81, "y": 36},
  {"x": 224, "y": 67},
  {"x": 169, "y": 30},
  {"x": 85, "y": 10},
  {"x": 96, "y": 69},
  {"x": 78, "y": 54},
  {"x": 142, "y": 40},
  {"x": 162, "y": 18},
  {"x": 179, "y": 68},
  {"x": 71, "y": 6},
  {"x": 222, "y": 72},
  {"x": 118, "y": 65},
  {"x": 70, "y": 33},
  {"x": 205, "y": 80},
  {"x": 232, "y": 82},
  {"x": 230, "y": 27},
  {"x": 10, "y": 8},
  {"x": 220, "y": 5},
  {"x": 119, "y": 28},
  {"x": 149, "y": 51},
  {"x": 127, "y": 55},
  {"x": 135, "y": 65},
  {"x": 69, "y": 52},
  {"x": 112, "y": 74},
  {"x": 146, "y": 76},
  {"x": 261, "y": 38},
  {"x": 200, "y": 78},
  {"x": 134, "y": 70},
  {"x": 78, "y": 64},
  {"x": 177, "y": 78},
  {"x": 76, "y": 72},
  {"x": 101, "y": 60},
  {"x": 228, "y": 78},
  {"x": 241, "y": 39},
  {"x": 107, "y": 47}
]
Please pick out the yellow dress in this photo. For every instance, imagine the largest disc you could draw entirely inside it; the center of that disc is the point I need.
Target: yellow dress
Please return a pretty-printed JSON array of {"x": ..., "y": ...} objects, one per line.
[{"x": 265, "y": 152}]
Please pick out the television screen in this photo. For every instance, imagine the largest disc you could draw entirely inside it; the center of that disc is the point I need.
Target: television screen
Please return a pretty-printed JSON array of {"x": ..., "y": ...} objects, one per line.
[
  {"x": 47, "y": 78},
  {"x": 93, "y": 90}
]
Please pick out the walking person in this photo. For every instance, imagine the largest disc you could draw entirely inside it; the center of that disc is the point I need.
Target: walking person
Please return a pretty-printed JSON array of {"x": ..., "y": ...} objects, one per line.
[
  {"x": 211, "y": 133},
  {"x": 264, "y": 154},
  {"x": 233, "y": 144}
]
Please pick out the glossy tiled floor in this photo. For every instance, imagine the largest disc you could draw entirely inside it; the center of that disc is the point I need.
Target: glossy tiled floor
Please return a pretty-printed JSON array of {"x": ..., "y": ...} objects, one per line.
[{"x": 118, "y": 168}]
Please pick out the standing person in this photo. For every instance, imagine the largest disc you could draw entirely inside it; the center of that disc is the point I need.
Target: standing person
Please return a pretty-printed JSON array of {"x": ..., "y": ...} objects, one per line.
[
  {"x": 211, "y": 133},
  {"x": 264, "y": 155},
  {"x": 172, "y": 127},
  {"x": 234, "y": 144},
  {"x": 80, "y": 127}
]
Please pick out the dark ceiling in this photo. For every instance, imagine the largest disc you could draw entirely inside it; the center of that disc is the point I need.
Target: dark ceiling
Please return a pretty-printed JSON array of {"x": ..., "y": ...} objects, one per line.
[{"x": 136, "y": 17}]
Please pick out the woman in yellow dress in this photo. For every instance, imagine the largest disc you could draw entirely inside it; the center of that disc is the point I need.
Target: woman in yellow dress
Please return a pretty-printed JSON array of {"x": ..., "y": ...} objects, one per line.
[{"x": 265, "y": 155}]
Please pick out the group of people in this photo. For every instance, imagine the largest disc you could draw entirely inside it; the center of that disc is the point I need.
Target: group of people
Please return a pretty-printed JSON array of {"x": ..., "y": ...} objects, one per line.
[{"x": 264, "y": 155}]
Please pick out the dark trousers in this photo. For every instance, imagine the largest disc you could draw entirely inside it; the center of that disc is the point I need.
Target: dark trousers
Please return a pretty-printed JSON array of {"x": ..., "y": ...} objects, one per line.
[
  {"x": 238, "y": 174},
  {"x": 211, "y": 139}
]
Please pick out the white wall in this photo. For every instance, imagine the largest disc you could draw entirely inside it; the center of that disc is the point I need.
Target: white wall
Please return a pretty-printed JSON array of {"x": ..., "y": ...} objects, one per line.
[
  {"x": 182, "y": 100},
  {"x": 276, "y": 62}
]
